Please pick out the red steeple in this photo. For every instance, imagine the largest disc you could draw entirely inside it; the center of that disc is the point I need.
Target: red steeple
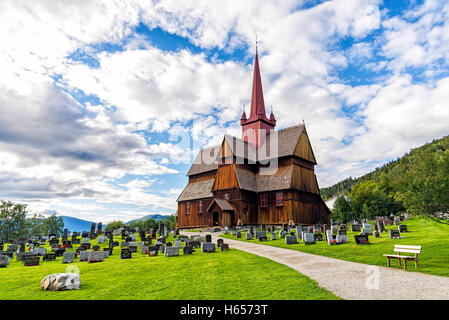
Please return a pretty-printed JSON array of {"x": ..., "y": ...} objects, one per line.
[{"x": 257, "y": 120}]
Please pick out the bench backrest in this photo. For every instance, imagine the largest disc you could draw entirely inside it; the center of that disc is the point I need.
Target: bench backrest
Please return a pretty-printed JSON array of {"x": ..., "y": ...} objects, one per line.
[{"x": 408, "y": 249}]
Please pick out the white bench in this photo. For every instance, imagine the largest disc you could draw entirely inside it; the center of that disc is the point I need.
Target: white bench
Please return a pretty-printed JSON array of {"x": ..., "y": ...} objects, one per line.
[{"x": 407, "y": 249}]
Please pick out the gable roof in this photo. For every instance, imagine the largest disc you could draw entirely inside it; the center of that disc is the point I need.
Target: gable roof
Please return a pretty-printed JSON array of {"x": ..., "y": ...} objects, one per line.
[
  {"x": 197, "y": 190},
  {"x": 287, "y": 140},
  {"x": 222, "y": 203},
  {"x": 206, "y": 160}
]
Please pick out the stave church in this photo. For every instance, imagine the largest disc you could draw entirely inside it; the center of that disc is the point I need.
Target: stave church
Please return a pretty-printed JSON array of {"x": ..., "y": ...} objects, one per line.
[{"x": 265, "y": 177}]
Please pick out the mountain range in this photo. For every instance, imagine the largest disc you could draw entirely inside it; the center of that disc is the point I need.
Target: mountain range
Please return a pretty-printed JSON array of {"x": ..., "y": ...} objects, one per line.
[{"x": 79, "y": 225}]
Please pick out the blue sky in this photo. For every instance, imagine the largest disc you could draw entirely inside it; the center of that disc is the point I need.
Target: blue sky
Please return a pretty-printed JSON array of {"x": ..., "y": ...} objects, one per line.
[{"x": 104, "y": 105}]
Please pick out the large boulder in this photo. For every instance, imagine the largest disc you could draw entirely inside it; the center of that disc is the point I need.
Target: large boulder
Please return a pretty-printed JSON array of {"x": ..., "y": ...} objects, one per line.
[{"x": 61, "y": 282}]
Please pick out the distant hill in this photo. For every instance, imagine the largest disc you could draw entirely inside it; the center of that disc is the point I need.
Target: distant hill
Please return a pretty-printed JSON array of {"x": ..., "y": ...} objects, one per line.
[
  {"x": 389, "y": 170},
  {"x": 150, "y": 216},
  {"x": 78, "y": 225}
]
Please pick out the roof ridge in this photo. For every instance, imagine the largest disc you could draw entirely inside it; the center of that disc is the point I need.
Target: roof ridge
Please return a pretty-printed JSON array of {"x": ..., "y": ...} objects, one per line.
[{"x": 288, "y": 128}]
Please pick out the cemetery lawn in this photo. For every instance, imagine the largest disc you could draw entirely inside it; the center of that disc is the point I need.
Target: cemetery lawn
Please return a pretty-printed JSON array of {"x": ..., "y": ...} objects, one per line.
[
  {"x": 226, "y": 275},
  {"x": 432, "y": 236}
]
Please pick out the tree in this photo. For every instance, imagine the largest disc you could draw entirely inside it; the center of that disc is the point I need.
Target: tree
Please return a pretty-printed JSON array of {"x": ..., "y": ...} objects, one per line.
[
  {"x": 35, "y": 225},
  {"x": 53, "y": 224},
  {"x": 115, "y": 225},
  {"x": 12, "y": 220},
  {"x": 425, "y": 187},
  {"x": 342, "y": 210}
]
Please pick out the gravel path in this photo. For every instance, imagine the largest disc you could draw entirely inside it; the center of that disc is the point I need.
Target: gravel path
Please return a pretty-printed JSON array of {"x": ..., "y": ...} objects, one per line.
[{"x": 351, "y": 280}]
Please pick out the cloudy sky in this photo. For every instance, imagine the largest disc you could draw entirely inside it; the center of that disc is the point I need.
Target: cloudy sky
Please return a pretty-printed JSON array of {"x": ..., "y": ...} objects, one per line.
[{"x": 103, "y": 104}]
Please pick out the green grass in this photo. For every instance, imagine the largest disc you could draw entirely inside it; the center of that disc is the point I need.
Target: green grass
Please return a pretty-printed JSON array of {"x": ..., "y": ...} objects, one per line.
[
  {"x": 433, "y": 237},
  {"x": 223, "y": 275}
]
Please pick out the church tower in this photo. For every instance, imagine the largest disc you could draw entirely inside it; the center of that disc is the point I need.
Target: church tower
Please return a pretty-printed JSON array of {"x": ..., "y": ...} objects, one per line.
[{"x": 257, "y": 126}]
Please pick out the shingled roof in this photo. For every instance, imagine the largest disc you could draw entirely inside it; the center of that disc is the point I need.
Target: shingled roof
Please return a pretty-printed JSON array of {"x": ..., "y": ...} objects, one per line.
[
  {"x": 205, "y": 161},
  {"x": 197, "y": 190},
  {"x": 287, "y": 139},
  {"x": 222, "y": 203}
]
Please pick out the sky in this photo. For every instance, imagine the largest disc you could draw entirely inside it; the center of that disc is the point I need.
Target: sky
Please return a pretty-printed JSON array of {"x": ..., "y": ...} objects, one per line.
[{"x": 104, "y": 104}]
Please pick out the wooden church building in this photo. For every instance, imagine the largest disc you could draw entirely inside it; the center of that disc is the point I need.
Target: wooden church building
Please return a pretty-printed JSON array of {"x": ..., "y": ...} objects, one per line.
[{"x": 265, "y": 177}]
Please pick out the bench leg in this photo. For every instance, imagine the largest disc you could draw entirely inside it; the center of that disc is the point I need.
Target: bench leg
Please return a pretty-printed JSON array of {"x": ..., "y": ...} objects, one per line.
[
  {"x": 405, "y": 264},
  {"x": 388, "y": 263},
  {"x": 399, "y": 261},
  {"x": 416, "y": 264}
]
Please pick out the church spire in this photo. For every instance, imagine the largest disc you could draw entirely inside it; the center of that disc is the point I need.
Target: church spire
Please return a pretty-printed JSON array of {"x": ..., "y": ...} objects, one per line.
[
  {"x": 257, "y": 125},
  {"x": 257, "y": 101}
]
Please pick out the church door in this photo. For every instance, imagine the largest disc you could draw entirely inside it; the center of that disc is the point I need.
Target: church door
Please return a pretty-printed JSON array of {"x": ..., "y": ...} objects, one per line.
[{"x": 215, "y": 218}]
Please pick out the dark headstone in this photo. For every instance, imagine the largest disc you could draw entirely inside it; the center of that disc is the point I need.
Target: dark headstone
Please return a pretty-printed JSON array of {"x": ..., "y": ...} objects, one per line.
[
  {"x": 152, "y": 251},
  {"x": 187, "y": 250},
  {"x": 125, "y": 254},
  {"x": 49, "y": 257},
  {"x": 394, "y": 234},
  {"x": 208, "y": 238},
  {"x": 31, "y": 261},
  {"x": 208, "y": 247},
  {"x": 224, "y": 247},
  {"x": 361, "y": 239}
]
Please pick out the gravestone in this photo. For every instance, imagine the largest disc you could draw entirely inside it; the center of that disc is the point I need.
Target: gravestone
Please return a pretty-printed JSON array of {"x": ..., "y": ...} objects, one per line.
[
  {"x": 84, "y": 256},
  {"x": 248, "y": 236},
  {"x": 380, "y": 226},
  {"x": 402, "y": 228},
  {"x": 80, "y": 248},
  {"x": 133, "y": 249},
  {"x": 68, "y": 257},
  {"x": 171, "y": 251},
  {"x": 308, "y": 238},
  {"x": 282, "y": 234},
  {"x": 355, "y": 228},
  {"x": 394, "y": 234},
  {"x": 376, "y": 234},
  {"x": 152, "y": 251},
  {"x": 60, "y": 252},
  {"x": 101, "y": 239},
  {"x": 208, "y": 238},
  {"x": 342, "y": 238},
  {"x": 95, "y": 256},
  {"x": 273, "y": 235},
  {"x": 106, "y": 253},
  {"x": 366, "y": 229},
  {"x": 40, "y": 251},
  {"x": 187, "y": 250},
  {"x": 76, "y": 240},
  {"x": 92, "y": 229},
  {"x": 261, "y": 239},
  {"x": 224, "y": 247},
  {"x": 263, "y": 228},
  {"x": 219, "y": 242},
  {"x": 259, "y": 234},
  {"x": 177, "y": 243},
  {"x": 145, "y": 249},
  {"x": 124, "y": 244},
  {"x": 31, "y": 261},
  {"x": 291, "y": 240},
  {"x": 99, "y": 228},
  {"x": 238, "y": 235},
  {"x": 208, "y": 247},
  {"x": 318, "y": 237},
  {"x": 125, "y": 254},
  {"x": 49, "y": 257},
  {"x": 361, "y": 239},
  {"x": 96, "y": 248},
  {"x": 4, "y": 261}
]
